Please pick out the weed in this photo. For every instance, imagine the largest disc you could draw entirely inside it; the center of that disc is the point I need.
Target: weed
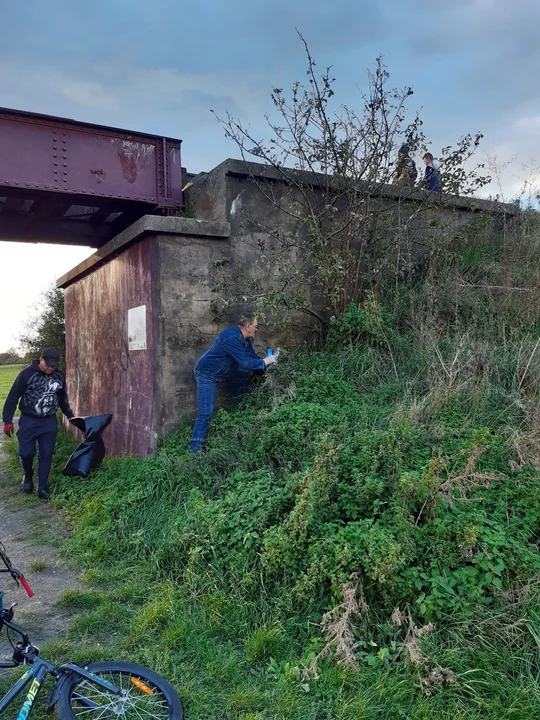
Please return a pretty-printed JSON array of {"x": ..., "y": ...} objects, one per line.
[{"x": 38, "y": 566}]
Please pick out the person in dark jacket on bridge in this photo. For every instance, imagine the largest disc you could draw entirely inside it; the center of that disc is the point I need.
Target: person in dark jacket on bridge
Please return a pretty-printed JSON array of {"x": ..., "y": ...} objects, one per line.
[
  {"x": 41, "y": 390},
  {"x": 230, "y": 359},
  {"x": 406, "y": 171}
]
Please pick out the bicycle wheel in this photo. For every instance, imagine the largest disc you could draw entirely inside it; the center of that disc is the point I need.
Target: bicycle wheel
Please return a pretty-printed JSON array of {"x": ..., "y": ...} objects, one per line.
[{"x": 148, "y": 696}]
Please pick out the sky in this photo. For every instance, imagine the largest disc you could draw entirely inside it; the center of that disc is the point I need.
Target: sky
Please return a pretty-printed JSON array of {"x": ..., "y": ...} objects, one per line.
[{"x": 161, "y": 66}]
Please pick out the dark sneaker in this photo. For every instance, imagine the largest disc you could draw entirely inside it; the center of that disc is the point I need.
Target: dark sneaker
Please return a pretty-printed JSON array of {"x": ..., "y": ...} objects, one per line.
[
  {"x": 43, "y": 494},
  {"x": 27, "y": 485}
]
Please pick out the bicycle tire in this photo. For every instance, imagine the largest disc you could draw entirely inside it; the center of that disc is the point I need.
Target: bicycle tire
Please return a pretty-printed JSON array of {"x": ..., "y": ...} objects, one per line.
[{"x": 167, "y": 707}]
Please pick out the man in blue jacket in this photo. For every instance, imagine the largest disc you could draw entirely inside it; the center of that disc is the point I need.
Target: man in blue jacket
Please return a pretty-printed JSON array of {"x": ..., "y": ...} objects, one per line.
[
  {"x": 41, "y": 390},
  {"x": 231, "y": 359}
]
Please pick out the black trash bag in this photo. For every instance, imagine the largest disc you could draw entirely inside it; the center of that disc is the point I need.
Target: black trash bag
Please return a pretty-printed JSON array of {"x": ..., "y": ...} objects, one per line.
[{"x": 91, "y": 451}]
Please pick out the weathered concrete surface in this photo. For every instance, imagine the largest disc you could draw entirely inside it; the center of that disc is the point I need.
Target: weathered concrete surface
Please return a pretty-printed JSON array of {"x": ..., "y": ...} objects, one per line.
[
  {"x": 187, "y": 326},
  {"x": 210, "y": 195},
  {"x": 147, "y": 224},
  {"x": 147, "y": 391},
  {"x": 103, "y": 374}
]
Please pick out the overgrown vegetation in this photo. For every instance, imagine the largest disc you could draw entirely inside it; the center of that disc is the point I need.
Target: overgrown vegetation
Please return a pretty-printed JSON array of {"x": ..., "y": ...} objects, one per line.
[
  {"x": 360, "y": 540},
  {"x": 10, "y": 357}
]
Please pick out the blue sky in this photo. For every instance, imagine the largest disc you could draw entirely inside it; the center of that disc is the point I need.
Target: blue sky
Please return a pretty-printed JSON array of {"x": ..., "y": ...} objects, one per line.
[{"x": 160, "y": 67}]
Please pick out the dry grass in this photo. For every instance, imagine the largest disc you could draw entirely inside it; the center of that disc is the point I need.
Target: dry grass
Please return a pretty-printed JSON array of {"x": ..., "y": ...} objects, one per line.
[{"x": 338, "y": 625}]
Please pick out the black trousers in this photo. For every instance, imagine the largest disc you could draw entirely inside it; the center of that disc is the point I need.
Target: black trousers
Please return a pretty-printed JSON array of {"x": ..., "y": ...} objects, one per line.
[{"x": 40, "y": 432}]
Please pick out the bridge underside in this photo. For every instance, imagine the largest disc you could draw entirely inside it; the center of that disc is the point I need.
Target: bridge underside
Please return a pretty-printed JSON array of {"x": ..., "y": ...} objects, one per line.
[{"x": 46, "y": 218}]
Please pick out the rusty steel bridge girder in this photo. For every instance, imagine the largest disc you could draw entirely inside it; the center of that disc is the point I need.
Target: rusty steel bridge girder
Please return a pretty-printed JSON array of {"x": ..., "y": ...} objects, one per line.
[{"x": 75, "y": 183}]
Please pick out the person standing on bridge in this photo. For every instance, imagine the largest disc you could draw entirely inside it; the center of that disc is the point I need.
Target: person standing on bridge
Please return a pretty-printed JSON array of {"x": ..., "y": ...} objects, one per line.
[
  {"x": 406, "y": 171},
  {"x": 231, "y": 359},
  {"x": 41, "y": 390},
  {"x": 432, "y": 178}
]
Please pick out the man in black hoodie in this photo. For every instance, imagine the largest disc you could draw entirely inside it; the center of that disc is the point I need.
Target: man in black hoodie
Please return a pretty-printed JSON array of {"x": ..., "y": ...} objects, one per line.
[{"x": 41, "y": 389}]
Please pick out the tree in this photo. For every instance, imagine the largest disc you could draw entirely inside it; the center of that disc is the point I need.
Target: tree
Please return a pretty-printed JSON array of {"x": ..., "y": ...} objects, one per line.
[
  {"x": 46, "y": 328},
  {"x": 335, "y": 166},
  {"x": 10, "y": 357}
]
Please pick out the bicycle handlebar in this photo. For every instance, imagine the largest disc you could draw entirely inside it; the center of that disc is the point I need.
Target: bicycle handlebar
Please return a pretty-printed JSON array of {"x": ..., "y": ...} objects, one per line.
[
  {"x": 15, "y": 574},
  {"x": 6, "y": 617},
  {"x": 26, "y": 586}
]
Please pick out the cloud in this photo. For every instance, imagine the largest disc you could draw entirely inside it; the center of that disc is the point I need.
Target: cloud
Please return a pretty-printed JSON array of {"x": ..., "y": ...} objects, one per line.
[
  {"x": 86, "y": 94},
  {"x": 531, "y": 122},
  {"x": 157, "y": 100}
]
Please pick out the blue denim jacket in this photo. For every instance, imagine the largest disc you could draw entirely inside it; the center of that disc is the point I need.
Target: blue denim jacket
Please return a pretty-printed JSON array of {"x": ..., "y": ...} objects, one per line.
[
  {"x": 230, "y": 351},
  {"x": 432, "y": 179}
]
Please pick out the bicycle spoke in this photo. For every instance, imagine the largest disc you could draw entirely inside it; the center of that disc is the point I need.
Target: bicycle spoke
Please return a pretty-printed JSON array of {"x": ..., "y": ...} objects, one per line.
[
  {"x": 147, "y": 712},
  {"x": 134, "y": 704}
]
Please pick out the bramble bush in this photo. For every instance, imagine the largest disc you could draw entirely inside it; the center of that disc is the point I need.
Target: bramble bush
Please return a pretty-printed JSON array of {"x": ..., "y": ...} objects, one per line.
[
  {"x": 331, "y": 469},
  {"x": 337, "y": 500}
]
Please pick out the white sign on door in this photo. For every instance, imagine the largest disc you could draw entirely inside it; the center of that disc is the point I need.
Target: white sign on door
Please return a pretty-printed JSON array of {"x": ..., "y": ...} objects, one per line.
[{"x": 137, "y": 328}]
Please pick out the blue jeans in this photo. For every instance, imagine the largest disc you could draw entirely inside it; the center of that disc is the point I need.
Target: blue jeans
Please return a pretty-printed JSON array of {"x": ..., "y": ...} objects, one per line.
[
  {"x": 42, "y": 431},
  {"x": 237, "y": 385}
]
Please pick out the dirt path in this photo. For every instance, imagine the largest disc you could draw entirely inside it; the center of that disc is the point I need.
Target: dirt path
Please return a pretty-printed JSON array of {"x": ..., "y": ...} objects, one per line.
[{"x": 32, "y": 532}]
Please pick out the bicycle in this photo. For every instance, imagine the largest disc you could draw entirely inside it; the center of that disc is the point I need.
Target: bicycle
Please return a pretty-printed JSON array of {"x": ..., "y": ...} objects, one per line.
[{"x": 93, "y": 691}]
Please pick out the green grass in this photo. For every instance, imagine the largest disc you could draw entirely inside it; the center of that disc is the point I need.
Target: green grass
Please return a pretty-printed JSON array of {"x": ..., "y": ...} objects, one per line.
[
  {"x": 216, "y": 571},
  {"x": 8, "y": 373}
]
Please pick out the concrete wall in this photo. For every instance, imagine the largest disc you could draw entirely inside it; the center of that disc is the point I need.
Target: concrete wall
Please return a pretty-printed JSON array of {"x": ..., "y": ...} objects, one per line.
[
  {"x": 186, "y": 324},
  {"x": 174, "y": 266},
  {"x": 257, "y": 203}
]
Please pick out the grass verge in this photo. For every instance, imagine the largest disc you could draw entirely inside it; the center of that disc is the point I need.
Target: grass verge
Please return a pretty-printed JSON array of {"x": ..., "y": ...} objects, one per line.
[{"x": 8, "y": 373}]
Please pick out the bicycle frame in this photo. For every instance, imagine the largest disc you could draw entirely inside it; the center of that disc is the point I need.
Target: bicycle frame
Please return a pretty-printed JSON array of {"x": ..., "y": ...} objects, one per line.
[
  {"x": 38, "y": 671},
  {"x": 36, "y": 674},
  {"x": 26, "y": 653}
]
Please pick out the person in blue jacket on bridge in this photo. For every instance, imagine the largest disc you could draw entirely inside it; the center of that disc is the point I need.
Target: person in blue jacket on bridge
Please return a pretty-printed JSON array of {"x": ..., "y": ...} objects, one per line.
[
  {"x": 231, "y": 359},
  {"x": 432, "y": 177}
]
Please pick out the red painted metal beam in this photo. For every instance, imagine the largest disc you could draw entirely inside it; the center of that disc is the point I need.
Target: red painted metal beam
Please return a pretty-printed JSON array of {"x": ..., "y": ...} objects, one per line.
[
  {"x": 40, "y": 152},
  {"x": 49, "y": 161}
]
